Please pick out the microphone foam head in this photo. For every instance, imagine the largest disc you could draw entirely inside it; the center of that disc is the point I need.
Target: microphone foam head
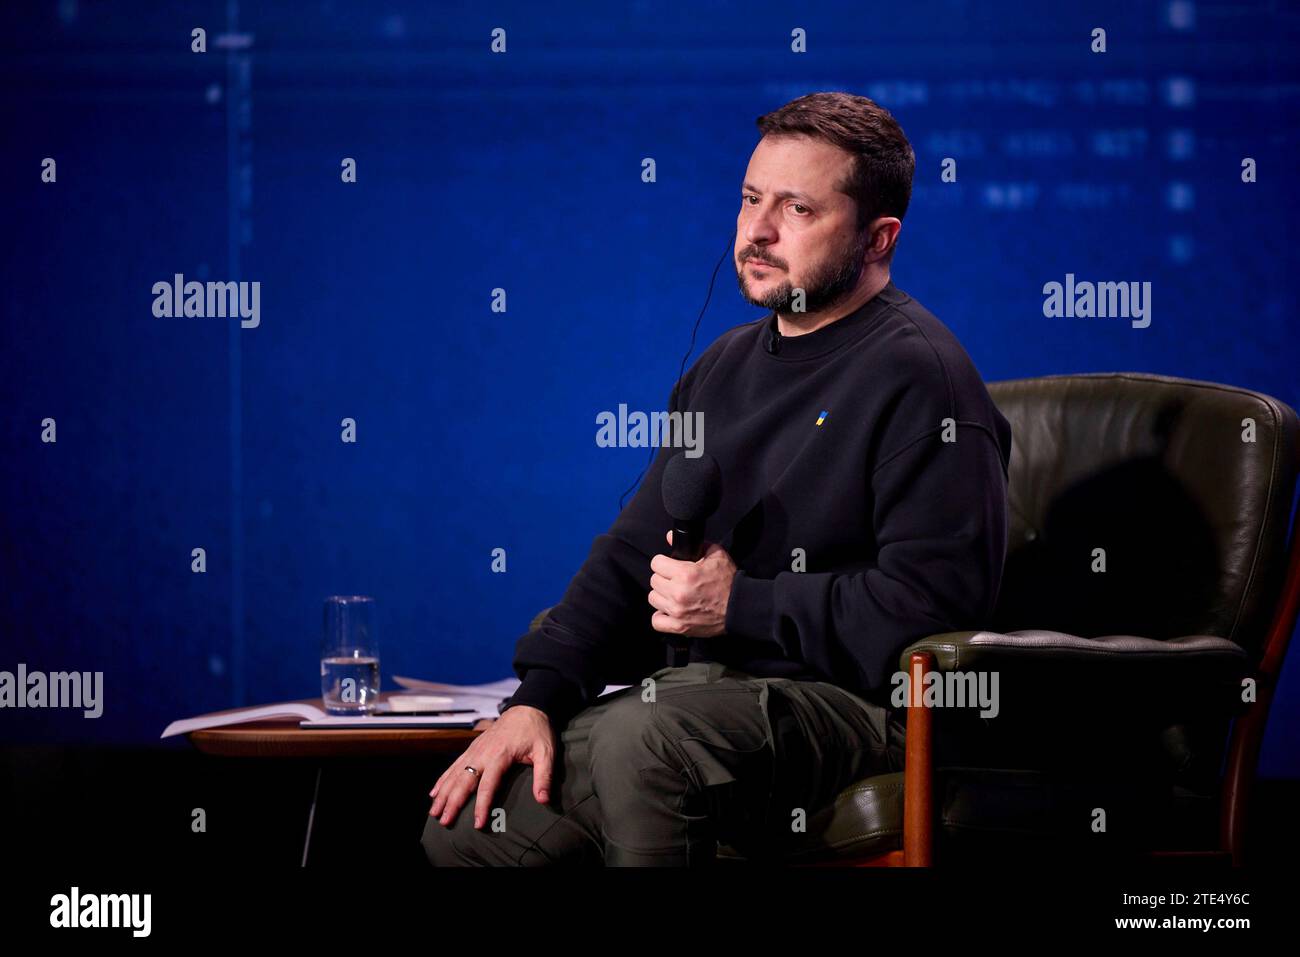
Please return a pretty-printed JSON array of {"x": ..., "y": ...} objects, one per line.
[{"x": 692, "y": 488}]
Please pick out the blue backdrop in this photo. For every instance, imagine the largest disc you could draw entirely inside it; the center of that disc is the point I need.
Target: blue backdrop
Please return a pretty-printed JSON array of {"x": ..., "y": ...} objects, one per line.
[{"x": 522, "y": 171}]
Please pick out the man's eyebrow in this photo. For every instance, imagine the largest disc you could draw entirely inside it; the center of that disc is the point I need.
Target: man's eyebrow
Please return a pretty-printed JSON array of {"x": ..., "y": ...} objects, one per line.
[{"x": 783, "y": 194}]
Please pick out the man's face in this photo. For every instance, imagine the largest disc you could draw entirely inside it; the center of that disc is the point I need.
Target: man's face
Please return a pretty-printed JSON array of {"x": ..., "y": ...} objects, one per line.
[{"x": 795, "y": 224}]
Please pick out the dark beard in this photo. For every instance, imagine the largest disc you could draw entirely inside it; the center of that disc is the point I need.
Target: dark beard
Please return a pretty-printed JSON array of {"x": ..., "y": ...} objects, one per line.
[{"x": 830, "y": 283}]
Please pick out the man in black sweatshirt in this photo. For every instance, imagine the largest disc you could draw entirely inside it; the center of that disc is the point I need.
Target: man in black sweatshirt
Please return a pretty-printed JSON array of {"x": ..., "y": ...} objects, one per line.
[{"x": 863, "y": 507}]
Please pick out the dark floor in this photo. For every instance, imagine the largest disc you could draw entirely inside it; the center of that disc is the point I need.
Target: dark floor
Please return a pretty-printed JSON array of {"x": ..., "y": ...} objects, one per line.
[{"x": 103, "y": 806}]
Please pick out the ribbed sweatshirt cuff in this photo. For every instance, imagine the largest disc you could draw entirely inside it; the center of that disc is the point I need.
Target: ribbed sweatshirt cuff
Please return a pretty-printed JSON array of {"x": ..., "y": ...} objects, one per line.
[
  {"x": 549, "y": 692},
  {"x": 750, "y": 609}
]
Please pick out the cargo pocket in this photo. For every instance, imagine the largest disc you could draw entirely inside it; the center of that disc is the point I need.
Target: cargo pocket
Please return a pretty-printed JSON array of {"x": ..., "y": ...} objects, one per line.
[{"x": 722, "y": 732}]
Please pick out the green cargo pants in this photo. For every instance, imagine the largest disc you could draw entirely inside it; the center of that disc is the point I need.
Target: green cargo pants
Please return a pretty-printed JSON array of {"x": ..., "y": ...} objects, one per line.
[{"x": 716, "y": 756}]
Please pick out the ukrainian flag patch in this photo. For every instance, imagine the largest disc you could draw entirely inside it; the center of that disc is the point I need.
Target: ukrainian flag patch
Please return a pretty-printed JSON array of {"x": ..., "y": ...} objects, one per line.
[{"x": 822, "y": 418}]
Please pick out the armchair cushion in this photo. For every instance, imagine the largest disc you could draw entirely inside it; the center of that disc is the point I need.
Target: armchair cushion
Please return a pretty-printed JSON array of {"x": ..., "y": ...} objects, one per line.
[{"x": 864, "y": 820}]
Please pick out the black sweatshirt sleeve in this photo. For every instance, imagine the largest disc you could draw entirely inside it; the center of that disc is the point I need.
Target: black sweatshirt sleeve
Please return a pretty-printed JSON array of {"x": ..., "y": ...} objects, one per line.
[
  {"x": 601, "y": 626},
  {"x": 940, "y": 514}
]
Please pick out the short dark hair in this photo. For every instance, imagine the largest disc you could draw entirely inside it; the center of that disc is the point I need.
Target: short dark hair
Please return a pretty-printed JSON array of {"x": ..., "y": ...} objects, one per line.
[{"x": 880, "y": 177}]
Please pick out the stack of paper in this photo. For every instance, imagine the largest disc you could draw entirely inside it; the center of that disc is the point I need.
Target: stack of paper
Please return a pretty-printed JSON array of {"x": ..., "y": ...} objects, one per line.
[
  {"x": 475, "y": 702},
  {"x": 497, "y": 690}
]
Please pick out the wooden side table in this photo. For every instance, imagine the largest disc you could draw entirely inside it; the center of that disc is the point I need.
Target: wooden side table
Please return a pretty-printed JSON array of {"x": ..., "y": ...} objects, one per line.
[{"x": 282, "y": 738}]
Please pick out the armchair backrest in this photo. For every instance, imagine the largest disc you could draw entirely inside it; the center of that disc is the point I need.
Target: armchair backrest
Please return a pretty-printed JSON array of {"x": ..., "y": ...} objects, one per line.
[{"x": 1145, "y": 505}]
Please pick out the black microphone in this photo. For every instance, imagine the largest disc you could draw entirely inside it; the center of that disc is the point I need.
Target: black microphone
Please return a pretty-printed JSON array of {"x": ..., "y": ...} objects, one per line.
[{"x": 692, "y": 489}]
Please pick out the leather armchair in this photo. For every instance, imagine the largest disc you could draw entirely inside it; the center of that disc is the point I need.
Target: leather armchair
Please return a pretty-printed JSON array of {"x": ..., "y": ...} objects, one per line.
[
  {"x": 1150, "y": 586},
  {"x": 1122, "y": 690}
]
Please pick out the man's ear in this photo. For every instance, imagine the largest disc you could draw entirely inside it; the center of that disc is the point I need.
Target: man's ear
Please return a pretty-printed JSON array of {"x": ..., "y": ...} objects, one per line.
[{"x": 884, "y": 235}]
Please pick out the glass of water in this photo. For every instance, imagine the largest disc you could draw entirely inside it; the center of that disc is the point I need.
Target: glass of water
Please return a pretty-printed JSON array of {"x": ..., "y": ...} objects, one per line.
[{"x": 349, "y": 655}]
